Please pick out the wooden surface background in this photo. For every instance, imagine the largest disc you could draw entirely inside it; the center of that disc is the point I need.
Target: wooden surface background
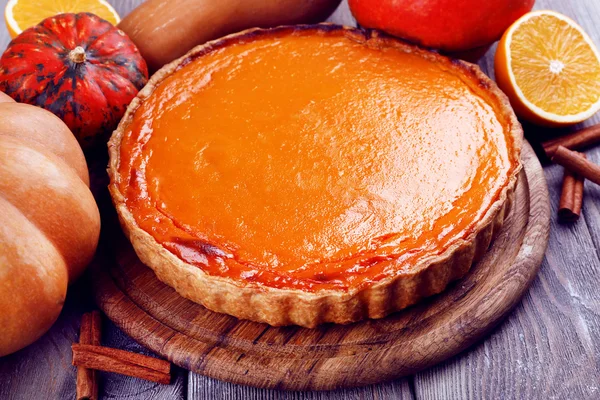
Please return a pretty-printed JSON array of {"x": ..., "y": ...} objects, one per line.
[{"x": 548, "y": 348}]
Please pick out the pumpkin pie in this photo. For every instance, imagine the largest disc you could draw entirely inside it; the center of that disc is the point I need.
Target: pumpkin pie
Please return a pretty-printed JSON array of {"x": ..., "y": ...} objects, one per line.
[{"x": 311, "y": 174}]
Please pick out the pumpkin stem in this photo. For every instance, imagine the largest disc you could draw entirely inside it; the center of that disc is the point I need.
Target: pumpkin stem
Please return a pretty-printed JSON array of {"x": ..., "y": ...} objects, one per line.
[{"x": 77, "y": 55}]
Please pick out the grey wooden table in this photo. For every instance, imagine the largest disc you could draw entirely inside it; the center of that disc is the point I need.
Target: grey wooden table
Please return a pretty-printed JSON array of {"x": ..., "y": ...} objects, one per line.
[{"x": 548, "y": 348}]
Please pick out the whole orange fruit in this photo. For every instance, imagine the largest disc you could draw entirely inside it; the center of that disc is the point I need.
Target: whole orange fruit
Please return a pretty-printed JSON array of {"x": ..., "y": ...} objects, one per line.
[{"x": 449, "y": 25}]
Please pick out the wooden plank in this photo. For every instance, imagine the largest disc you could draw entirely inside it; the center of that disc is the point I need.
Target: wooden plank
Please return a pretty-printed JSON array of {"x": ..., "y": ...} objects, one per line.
[
  {"x": 342, "y": 15},
  {"x": 124, "y": 7},
  {"x": 113, "y": 386},
  {"x": 44, "y": 371},
  {"x": 549, "y": 347},
  {"x": 201, "y": 387}
]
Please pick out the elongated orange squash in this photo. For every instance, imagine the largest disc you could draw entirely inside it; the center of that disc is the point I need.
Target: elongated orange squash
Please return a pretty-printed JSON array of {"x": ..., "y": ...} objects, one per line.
[{"x": 164, "y": 30}]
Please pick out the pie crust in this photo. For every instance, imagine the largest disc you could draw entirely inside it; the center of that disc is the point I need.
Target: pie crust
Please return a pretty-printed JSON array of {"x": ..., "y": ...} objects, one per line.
[{"x": 285, "y": 306}]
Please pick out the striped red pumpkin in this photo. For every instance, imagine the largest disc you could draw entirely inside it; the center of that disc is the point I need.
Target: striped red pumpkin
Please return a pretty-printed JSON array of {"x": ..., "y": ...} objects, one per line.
[{"x": 78, "y": 66}]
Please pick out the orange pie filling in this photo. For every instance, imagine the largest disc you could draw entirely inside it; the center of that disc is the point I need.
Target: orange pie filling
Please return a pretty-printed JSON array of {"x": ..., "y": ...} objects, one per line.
[{"x": 313, "y": 162}]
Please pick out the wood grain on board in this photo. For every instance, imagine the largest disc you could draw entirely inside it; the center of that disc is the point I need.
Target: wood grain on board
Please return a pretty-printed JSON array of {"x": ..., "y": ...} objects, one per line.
[{"x": 546, "y": 349}]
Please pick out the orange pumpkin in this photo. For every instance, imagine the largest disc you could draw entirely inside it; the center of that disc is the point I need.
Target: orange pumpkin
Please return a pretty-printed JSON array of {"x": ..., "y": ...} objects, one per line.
[{"x": 50, "y": 222}]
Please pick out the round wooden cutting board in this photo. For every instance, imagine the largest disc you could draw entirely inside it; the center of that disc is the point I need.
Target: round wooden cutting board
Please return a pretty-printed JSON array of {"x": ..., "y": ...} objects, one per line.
[{"x": 330, "y": 356}]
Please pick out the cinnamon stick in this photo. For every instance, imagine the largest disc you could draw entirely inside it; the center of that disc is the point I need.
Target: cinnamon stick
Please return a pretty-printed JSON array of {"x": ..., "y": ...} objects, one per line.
[
  {"x": 571, "y": 198},
  {"x": 577, "y": 140},
  {"x": 90, "y": 333},
  {"x": 121, "y": 362},
  {"x": 574, "y": 162}
]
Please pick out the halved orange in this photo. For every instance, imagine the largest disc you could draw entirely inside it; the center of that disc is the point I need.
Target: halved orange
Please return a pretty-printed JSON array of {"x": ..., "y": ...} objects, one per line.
[
  {"x": 550, "y": 69},
  {"x": 22, "y": 14}
]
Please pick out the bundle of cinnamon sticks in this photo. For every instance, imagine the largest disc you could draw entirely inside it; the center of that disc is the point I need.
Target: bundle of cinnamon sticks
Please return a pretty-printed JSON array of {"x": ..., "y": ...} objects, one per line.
[
  {"x": 577, "y": 168},
  {"x": 89, "y": 357}
]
